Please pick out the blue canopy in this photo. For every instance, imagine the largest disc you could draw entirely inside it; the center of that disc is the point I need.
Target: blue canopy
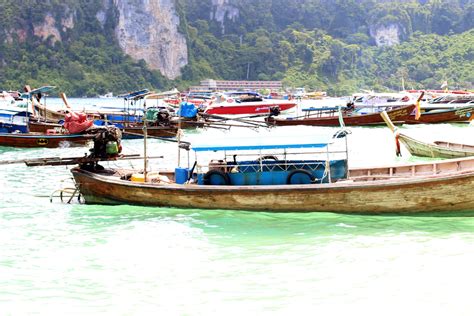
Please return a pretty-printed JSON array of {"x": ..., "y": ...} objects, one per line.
[
  {"x": 135, "y": 94},
  {"x": 255, "y": 143},
  {"x": 37, "y": 91}
]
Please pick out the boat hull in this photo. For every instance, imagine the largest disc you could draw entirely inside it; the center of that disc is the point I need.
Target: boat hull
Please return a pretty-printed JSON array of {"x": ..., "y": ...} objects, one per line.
[
  {"x": 450, "y": 193},
  {"x": 42, "y": 127},
  {"x": 396, "y": 115},
  {"x": 459, "y": 115},
  {"x": 248, "y": 108},
  {"x": 48, "y": 114},
  {"x": 13, "y": 128},
  {"x": 38, "y": 140},
  {"x": 131, "y": 132},
  {"x": 435, "y": 150}
]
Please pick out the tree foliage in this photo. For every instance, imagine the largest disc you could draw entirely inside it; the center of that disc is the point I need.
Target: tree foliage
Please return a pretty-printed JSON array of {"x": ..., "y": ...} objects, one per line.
[{"x": 320, "y": 44}]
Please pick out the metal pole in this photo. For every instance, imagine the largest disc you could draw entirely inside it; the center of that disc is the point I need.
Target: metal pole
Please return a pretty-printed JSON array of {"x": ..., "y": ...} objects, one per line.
[
  {"x": 145, "y": 135},
  {"x": 179, "y": 135},
  {"x": 328, "y": 164},
  {"x": 347, "y": 156}
]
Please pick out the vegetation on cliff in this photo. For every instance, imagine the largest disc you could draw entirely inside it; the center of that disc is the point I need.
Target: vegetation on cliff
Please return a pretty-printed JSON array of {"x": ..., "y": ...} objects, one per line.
[
  {"x": 320, "y": 44},
  {"x": 87, "y": 61}
]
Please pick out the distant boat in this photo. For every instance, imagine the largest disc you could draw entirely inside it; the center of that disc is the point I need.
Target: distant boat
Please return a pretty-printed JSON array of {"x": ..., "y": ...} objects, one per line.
[
  {"x": 6, "y": 99},
  {"x": 107, "y": 96},
  {"x": 12, "y": 117},
  {"x": 245, "y": 103},
  {"x": 329, "y": 117},
  {"x": 13, "y": 121},
  {"x": 39, "y": 109}
]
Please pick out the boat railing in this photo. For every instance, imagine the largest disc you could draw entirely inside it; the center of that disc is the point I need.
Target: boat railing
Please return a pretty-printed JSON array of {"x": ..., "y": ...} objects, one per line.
[
  {"x": 269, "y": 169},
  {"x": 320, "y": 112},
  {"x": 268, "y": 165}
]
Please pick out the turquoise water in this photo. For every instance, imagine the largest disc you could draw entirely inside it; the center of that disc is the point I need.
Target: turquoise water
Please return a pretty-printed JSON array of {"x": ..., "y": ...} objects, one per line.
[{"x": 58, "y": 258}]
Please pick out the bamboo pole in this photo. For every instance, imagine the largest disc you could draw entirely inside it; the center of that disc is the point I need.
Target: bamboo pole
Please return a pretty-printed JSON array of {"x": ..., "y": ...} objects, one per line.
[{"x": 145, "y": 136}]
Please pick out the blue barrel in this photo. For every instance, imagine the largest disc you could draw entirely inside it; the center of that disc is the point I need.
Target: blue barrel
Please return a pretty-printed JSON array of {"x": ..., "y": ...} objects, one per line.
[{"x": 181, "y": 175}]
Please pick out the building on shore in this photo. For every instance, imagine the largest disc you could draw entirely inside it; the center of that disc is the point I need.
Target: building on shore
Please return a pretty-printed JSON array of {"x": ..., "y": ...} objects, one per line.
[{"x": 219, "y": 85}]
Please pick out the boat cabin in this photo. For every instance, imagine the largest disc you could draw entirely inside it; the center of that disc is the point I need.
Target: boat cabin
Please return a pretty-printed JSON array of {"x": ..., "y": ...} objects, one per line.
[{"x": 250, "y": 162}]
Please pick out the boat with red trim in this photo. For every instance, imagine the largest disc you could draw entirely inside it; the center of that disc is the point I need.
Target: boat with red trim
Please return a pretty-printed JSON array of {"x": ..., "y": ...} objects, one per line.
[{"x": 245, "y": 103}]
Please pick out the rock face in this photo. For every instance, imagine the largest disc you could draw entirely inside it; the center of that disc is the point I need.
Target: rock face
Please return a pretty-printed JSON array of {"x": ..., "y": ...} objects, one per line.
[
  {"x": 222, "y": 10},
  {"x": 48, "y": 27},
  {"x": 148, "y": 30},
  {"x": 388, "y": 35}
]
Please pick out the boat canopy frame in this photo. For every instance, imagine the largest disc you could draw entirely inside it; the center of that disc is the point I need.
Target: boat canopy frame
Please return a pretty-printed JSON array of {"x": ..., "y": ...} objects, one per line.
[{"x": 265, "y": 156}]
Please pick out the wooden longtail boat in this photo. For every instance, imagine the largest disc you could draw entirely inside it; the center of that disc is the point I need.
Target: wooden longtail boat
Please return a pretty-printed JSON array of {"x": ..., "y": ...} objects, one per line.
[
  {"x": 444, "y": 186},
  {"x": 40, "y": 109},
  {"x": 330, "y": 118},
  {"x": 49, "y": 114},
  {"x": 37, "y": 140},
  {"x": 457, "y": 115},
  {"x": 437, "y": 149},
  {"x": 155, "y": 131},
  {"x": 129, "y": 131},
  {"x": 36, "y": 126},
  {"x": 278, "y": 184}
]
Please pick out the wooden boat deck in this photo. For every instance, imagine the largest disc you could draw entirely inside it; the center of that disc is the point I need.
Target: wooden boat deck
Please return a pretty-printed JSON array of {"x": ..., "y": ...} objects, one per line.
[{"x": 403, "y": 171}]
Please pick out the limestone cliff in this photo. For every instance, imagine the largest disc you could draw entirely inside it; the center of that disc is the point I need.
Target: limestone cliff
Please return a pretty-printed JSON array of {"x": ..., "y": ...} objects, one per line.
[
  {"x": 386, "y": 35},
  {"x": 47, "y": 29},
  {"x": 222, "y": 10},
  {"x": 50, "y": 28},
  {"x": 148, "y": 30}
]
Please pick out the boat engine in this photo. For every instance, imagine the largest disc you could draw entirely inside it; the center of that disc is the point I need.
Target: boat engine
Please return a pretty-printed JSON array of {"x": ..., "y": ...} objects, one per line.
[
  {"x": 158, "y": 117},
  {"x": 107, "y": 142},
  {"x": 163, "y": 117},
  {"x": 274, "y": 111},
  {"x": 107, "y": 145}
]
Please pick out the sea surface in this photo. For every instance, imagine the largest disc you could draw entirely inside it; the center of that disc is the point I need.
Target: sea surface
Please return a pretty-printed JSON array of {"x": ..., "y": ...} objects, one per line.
[{"x": 73, "y": 259}]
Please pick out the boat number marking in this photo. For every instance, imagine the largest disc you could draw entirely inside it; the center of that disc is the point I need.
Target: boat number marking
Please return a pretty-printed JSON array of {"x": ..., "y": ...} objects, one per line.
[
  {"x": 463, "y": 112},
  {"x": 398, "y": 113}
]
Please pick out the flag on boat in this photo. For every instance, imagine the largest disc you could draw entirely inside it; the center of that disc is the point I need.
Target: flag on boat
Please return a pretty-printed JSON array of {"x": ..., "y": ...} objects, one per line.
[
  {"x": 418, "y": 107},
  {"x": 417, "y": 110},
  {"x": 444, "y": 85}
]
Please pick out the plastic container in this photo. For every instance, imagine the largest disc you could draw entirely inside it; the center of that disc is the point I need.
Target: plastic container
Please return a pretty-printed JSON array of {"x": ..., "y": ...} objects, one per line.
[
  {"x": 111, "y": 148},
  {"x": 152, "y": 114},
  {"x": 181, "y": 175},
  {"x": 138, "y": 177},
  {"x": 51, "y": 131}
]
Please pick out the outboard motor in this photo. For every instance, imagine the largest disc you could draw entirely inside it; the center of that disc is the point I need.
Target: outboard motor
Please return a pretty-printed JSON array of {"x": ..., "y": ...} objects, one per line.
[
  {"x": 350, "y": 106},
  {"x": 163, "y": 117},
  {"x": 107, "y": 142},
  {"x": 274, "y": 111}
]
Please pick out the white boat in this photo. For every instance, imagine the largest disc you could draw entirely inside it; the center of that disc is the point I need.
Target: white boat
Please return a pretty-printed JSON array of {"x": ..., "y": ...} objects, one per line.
[{"x": 245, "y": 103}]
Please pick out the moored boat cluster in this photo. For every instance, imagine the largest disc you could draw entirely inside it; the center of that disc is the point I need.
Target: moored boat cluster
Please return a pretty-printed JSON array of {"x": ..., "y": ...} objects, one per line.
[{"x": 304, "y": 174}]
